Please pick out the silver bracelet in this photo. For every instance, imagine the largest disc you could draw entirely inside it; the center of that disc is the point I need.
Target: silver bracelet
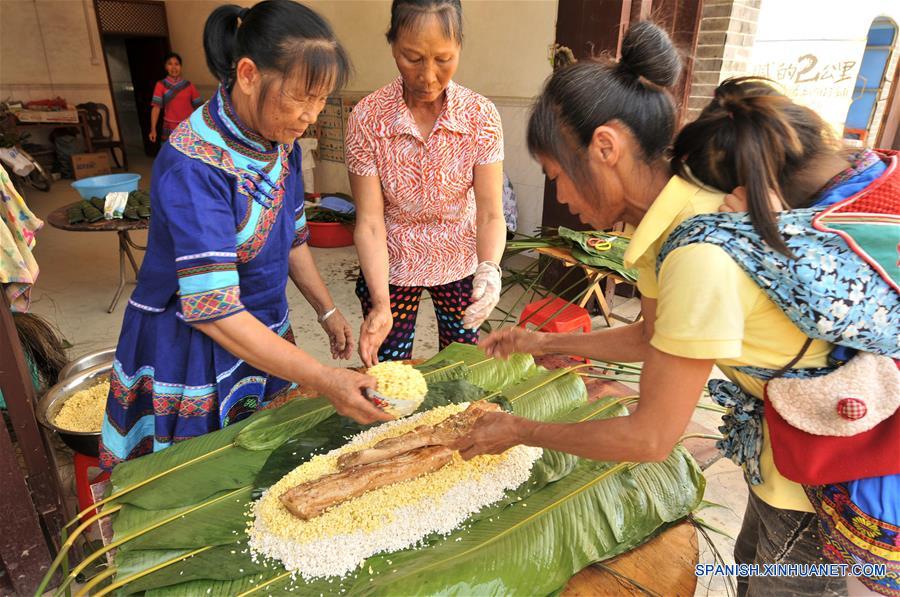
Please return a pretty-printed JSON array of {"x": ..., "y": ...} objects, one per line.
[{"x": 322, "y": 318}]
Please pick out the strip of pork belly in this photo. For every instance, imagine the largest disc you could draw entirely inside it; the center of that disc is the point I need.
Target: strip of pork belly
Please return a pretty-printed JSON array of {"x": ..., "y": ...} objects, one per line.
[
  {"x": 442, "y": 434},
  {"x": 312, "y": 498}
]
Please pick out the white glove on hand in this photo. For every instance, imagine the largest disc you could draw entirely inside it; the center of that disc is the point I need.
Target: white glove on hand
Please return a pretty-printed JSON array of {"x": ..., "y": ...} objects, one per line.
[{"x": 485, "y": 294}]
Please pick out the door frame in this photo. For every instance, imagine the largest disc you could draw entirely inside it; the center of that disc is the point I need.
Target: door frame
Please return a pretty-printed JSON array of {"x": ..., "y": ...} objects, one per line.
[{"x": 889, "y": 130}]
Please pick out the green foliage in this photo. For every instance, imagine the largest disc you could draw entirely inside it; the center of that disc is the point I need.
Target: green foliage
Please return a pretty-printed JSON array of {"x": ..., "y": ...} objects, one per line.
[{"x": 570, "y": 512}]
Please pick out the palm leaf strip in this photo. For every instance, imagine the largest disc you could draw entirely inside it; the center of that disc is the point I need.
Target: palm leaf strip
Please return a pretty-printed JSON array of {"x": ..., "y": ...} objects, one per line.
[{"x": 114, "y": 544}]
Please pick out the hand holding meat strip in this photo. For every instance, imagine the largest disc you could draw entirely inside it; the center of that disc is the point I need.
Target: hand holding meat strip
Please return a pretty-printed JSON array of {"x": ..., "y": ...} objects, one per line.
[
  {"x": 442, "y": 434},
  {"x": 311, "y": 499}
]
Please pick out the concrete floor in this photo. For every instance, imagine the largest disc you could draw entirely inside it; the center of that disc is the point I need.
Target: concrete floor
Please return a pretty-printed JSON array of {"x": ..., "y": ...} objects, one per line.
[{"x": 79, "y": 274}]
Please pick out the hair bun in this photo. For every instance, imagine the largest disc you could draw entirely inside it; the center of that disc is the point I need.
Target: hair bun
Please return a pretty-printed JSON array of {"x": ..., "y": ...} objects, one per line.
[{"x": 648, "y": 52}]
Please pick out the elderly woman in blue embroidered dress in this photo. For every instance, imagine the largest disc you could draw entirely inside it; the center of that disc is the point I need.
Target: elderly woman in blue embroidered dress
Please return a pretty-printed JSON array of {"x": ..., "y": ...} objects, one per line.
[{"x": 206, "y": 339}]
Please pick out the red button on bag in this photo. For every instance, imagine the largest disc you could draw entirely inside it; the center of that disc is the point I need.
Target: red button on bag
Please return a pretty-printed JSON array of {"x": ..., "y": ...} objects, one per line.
[{"x": 851, "y": 409}]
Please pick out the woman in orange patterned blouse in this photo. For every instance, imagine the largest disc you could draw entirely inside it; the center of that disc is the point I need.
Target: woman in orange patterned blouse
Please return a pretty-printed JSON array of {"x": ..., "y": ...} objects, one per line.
[{"x": 425, "y": 157}]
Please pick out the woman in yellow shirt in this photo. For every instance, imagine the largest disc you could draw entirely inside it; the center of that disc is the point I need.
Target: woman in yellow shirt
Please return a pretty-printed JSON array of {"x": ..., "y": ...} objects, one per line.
[{"x": 600, "y": 131}]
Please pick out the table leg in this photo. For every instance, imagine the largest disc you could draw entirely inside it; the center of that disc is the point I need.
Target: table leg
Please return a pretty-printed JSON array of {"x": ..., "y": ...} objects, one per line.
[
  {"x": 123, "y": 247},
  {"x": 126, "y": 244},
  {"x": 594, "y": 279}
]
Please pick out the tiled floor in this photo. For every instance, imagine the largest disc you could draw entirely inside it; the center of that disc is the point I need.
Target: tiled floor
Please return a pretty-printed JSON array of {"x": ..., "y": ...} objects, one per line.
[{"x": 79, "y": 273}]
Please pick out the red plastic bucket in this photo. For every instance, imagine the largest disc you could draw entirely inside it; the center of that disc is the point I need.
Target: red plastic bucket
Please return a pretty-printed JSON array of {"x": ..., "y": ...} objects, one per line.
[{"x": 328, "y": 235}]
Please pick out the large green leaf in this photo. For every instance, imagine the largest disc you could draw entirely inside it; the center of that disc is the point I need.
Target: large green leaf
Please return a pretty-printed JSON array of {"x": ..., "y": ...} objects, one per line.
[
  {"x": 612, "y": 258},
  {"x": 598, "y": 511},
  {"x": 267, "y": 433},
  {"x": 227, "y": 470},
  {"x": 546, "y": 395},
  {"x": 206, "y": 588},
  {"x": 133, "y": 471},
  {"x": 229, "y": 562},
  {"x": 443, "y": 370},
  {"x": 220, "y": 563},
  {"x": 483, "y": 371},
  {"x": 215, "y": 521},
  {"x": 570, "y": 512},
  {"x": 214, "y": 462}
]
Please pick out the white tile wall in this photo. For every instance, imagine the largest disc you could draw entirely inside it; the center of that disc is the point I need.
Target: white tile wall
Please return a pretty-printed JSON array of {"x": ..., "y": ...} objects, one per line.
[{"x": 523, "y": 171}]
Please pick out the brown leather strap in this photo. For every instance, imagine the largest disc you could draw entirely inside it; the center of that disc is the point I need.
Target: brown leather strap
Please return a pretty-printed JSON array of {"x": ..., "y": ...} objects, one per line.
[{"x": 794, "y": 361}]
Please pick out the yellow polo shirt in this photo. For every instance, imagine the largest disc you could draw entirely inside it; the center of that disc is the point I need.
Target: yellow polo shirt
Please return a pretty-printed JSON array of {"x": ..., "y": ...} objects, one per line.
[{"x": 708, "y": 308}]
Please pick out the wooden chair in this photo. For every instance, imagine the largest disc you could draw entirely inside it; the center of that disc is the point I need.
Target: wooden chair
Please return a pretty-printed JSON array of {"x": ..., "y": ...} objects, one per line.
[{"x": 101, "y": 133}]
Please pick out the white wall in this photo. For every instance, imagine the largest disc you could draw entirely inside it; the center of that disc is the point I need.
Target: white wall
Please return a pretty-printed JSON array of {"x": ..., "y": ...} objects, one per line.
[
  {"x": 51, "y": 48},
  {"x": 504, "y": 57},
  {"x": 814, "y": 48}
]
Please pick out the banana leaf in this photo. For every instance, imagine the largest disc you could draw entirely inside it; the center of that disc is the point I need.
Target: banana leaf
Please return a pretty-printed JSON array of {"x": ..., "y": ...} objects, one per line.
[
  {"x": 560, "y": 392},
  {"x": 220, "y": 563},
  {"x": 442, "y": 370},
  {"x": 229, "y": 562},
  {"x": 235, "y": 468},
  {"x": 483, "y": 371},
  {"x": 236, "y": 465},
  {"x": 596, "y": 512},
  {"x": 546, "y": 395},
  {"x": 264, "y": 433},
  {"x": 206, "y": 588},
  {"x": 612, "y": 258},
  {"x": 218, "y": 521},
  {"x": 498, "y": 544}
]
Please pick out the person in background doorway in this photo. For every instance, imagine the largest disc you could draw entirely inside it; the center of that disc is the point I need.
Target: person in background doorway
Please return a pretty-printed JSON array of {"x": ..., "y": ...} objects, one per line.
[
  {"x": 173, "y": 97},
  {"x": 425, "y": 157}
]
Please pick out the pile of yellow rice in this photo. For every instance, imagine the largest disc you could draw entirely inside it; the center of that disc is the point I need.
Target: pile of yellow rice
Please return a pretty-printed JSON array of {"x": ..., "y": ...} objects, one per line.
[
  {"x": 83, "y": 410},
  {"x": 386, "y": 519}
]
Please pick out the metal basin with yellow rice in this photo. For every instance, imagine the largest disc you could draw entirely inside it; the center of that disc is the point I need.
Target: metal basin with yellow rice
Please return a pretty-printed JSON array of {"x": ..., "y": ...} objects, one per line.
[{"x": 50, "y": 405}]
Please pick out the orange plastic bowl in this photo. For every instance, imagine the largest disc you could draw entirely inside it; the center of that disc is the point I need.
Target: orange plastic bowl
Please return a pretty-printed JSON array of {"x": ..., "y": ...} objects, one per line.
[{"x": 328, "y": 235}]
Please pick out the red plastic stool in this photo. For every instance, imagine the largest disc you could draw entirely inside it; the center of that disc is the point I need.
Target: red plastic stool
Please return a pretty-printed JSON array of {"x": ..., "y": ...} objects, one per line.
[
  {"x": 83, "y": 480},
  {"x": 564, "y": 318}
]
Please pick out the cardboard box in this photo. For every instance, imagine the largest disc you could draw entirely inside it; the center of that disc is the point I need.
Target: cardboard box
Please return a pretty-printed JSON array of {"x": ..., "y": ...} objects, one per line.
[{"x": 90, "y": 164}]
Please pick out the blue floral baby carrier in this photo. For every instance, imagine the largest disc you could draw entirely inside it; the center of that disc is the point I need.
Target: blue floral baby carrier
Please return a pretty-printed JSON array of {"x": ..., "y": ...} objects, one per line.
[{"x": 836, "y": 430}]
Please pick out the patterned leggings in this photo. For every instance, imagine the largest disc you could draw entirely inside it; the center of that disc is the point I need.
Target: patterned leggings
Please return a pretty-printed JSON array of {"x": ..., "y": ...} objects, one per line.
[{"x": 450, "y": 302}]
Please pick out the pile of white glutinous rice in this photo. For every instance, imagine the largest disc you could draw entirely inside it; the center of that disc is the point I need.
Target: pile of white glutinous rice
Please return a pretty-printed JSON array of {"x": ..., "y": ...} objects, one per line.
[{"x": 387, "y": 519}]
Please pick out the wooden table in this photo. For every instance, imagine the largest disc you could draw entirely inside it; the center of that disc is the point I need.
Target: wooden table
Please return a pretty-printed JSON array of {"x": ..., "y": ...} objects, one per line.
[
  {"x": 82, "y": 124},
  {"x": 595, "y": 277},
  {"x": 665, "y": 564},
  {"x": 59, "y": 219}
]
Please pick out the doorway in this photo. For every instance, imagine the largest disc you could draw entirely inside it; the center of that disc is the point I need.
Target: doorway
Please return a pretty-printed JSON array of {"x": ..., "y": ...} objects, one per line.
[
  {"x": 591, "y": 27},
  {"x": 135, "y": 65},
  {"x": 135, "y": 39}
]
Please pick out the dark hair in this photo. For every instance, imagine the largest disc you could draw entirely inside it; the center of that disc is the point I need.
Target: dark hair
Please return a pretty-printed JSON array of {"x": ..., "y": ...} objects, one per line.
[
  {"x": 753, "y": 136},
  {"x": 583, "y": 96},
  {"x": 171, "y": 55},
  {"x": 406, "y": 13},
  {"x": 280, "y": 36}
]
